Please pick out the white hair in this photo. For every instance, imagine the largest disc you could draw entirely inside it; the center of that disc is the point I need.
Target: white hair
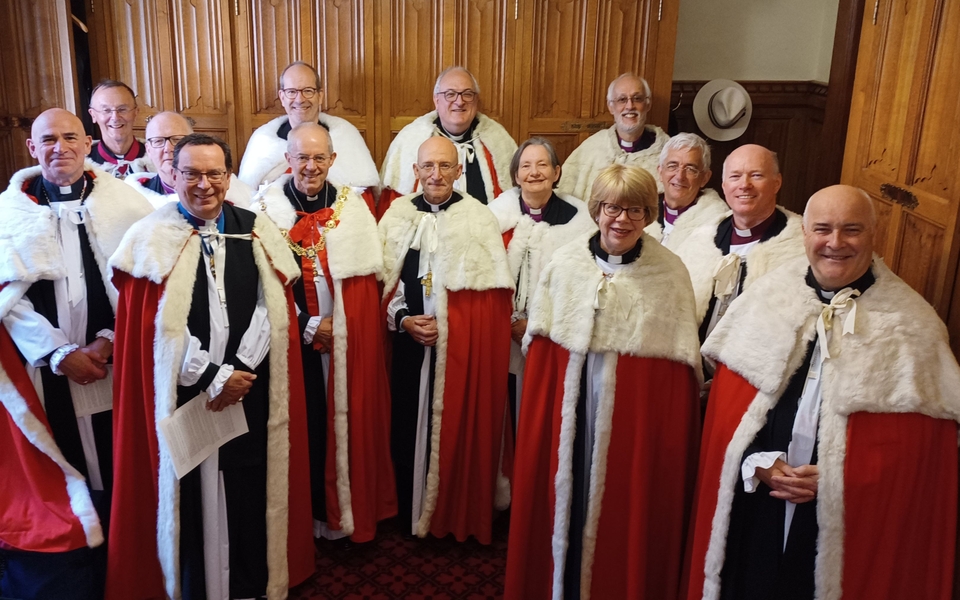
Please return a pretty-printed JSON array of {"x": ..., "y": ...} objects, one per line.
[
  {"x": 436, "y": 86},
  {"x": 688, "y": 141},
  {"x": 646, "y": 86}
]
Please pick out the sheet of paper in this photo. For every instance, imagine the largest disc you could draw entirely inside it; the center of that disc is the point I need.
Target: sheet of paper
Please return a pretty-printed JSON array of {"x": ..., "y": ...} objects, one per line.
[
  {"x": 95, "y": 397},
  {"x": 192, "y": 433}
]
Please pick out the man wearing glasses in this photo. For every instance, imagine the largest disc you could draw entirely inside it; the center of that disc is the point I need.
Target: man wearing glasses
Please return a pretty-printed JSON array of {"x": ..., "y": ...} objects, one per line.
[
  {"x": 301, "y": 95},
  {"x": 113, "y": 107},
  {"x": 450, "y": 295},
  {"x": 164, "y": 130},
  {"x": 61, "y": 222},
  {"x": 484, "y": 148},
  {"x": 204, "y": 318},
  {"x": 630, "y": 140}
]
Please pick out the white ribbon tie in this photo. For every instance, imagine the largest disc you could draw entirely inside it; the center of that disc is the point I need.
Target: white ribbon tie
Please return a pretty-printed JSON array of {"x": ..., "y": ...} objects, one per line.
[
  {"x": 844, "y": 299},
  {"x": 425, "y": 240}
]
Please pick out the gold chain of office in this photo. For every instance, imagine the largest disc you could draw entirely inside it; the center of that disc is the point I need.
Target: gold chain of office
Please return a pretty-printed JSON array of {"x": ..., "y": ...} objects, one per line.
[{"x": 331, "y": 224}]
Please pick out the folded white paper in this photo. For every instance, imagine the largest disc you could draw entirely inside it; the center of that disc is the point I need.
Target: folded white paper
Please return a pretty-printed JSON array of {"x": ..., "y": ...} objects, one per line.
[
  {"x": 192, "y": 433},
  {"x": 95, "y": 397}
]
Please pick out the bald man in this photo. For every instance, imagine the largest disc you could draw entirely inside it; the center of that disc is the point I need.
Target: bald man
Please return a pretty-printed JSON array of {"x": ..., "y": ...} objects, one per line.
[
  {"x": 333, "y": 235},
  {"x": 113, "y": 107},
  {"x": 831, "y": 429},
  {"x": 731, "y": 249},
  {"x": 630, "y": 140},
  {"x": 449, "y": 291},
  {"x": 484, "y": 148},
  {"x": 61, "y": 222},
  {"x": 164, "y": 130},
  {"x": 301, "y": 95}
]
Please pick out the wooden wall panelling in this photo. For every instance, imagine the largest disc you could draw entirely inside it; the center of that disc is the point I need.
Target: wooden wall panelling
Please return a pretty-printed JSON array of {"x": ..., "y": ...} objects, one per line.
[
  {"x": 787, "y": 118},
  {"x": 902, "y": 133},
  {"x": 36, "y": 73}
]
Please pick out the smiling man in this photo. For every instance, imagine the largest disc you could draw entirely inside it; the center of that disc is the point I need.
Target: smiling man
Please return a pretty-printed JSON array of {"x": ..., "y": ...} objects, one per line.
[
  {"x": 449, "y": 293},
  {"x": 829, "y": 459},
  {"x": 630, "y": 140},
  {"x": 113, "y": 107},
  {"x": 61, "y": 221},
  {"x": 301, "y": 94},
  {"x": 334, "y": 237},
  {"x": 484, "y": 148},
  {"x": 164, "y": 130},
  {"x": 205, "y": 315},
  {"x": 728, "y": 252}
]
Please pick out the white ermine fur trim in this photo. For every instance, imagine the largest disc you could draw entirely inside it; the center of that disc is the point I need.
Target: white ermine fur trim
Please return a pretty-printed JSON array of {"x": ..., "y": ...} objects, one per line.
[
  {"x": 700, "y": 255},
  {"x": 601, "y": 150},
  {"x": 470, "y": 256},
  {"x": 40, "y": 437},
  {"x": 397, "y": 171},
  {"x": 341, "y": 408},
  {"x": 542, "y": 239},
  {"x": 29, "y": 242},
  {"x": 708, "y": 209},
  {"x": 563, "y": 480},
  {"x": 764, "y": 336},
  {"x": 151, "y": 248},
  {"x": 263, "y": 159},
  {"x": 436, "y": 420},
  {"x": 598, "y": 471},
  {"x": 654, "y": 289},
  {"x": 353, "y": 247}
]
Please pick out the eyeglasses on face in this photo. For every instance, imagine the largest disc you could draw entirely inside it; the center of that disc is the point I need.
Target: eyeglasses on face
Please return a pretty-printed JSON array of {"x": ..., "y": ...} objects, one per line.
[
  {"x": 161, "y": 141},
  {"x": 120, "y": 111},
  {"x": 307, "y": 92},
  {"x": 468, "y": 96},
  {"x": 191, "y": 176},
  {"x": 634, "y": 213},
  {"x": 636, "y": 99},
  {"x": 673, "y": 167},
  {"x": 445, "y": 168},
  {"x": 320, "y": 159}
]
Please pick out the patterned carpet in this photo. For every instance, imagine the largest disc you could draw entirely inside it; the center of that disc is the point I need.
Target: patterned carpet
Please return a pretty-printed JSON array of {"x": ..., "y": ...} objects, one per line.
[{"x": 395, "y": 566}]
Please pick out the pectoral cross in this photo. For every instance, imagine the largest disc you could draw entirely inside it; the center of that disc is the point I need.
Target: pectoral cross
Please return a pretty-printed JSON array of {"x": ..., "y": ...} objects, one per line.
[{"x": 427, "y": 283}]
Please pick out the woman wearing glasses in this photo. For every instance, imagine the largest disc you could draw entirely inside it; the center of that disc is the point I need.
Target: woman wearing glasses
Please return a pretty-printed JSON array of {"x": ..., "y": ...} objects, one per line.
[
  {"x": 534, "y": 221},
  {"x": 609, "y": 415}
]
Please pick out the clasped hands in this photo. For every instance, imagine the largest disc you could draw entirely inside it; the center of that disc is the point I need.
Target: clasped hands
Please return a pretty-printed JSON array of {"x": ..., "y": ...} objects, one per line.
[
  {"x": 795, "y": 484},
  {"x": 422, "y": 328},
  {"x": 88, "y": 363}
]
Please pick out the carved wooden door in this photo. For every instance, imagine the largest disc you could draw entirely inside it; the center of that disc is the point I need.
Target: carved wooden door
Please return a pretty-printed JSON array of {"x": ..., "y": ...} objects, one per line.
[
  {"x": 36, "y": 73},
  {"x": 571, "y": 50},
  {"x": 176, "y": 55},
  {"x": 902, "y": 145}
]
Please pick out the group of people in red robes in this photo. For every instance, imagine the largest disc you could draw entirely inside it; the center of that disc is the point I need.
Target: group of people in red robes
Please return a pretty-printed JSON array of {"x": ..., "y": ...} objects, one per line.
[{"x": 676, "y": 395}]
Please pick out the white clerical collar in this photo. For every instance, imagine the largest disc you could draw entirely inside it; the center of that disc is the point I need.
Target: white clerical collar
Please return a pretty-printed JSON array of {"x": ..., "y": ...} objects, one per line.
[
  {"x": 66, "y": 189},
  {"x": 535, "y": 211},
  {"x": 672, "y": 211},
  {"x": 437, "y": 207},
  {"x": 744, "y": 233},
  {"x": 614, "y": 260},
  {"x": 827, "y": 295}
]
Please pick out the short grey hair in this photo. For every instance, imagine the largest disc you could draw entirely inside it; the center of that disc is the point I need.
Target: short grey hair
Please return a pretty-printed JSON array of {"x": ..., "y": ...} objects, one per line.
[
  {"x": 630, "y": 75},
  {"x": 688, "y": 141},
  {"x": 436, "y": 86},
  {"x": 534, "y": 141}
]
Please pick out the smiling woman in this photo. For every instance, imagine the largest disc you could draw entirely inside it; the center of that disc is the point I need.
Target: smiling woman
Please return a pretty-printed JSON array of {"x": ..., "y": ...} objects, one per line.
[{"x": 622, "y": 202}]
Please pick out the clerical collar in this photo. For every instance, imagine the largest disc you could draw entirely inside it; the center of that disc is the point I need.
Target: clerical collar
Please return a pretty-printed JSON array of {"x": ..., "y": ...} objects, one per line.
[
  {"x": 284, "y": 130},
  {"x": 623, "y": 259},
  {"x": 135, "y": 152},
  {"x": 670, "y": 215},
  {"x": 325, "y": 197},
  {"x": 78, "y": 190},
  {"x": 860, "y": 284},
  {"x": 745, "y": 236},
  {"x": 536, "y": 214},
  {"x": 646, "y": 139},
  {"x": 199, "y": 223},
  {"x": 463, "y": 137},
  {"x": 423, "y": 206}
]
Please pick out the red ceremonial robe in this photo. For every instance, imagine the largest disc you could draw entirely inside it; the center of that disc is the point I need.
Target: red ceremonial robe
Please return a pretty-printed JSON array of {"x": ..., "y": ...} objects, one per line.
[
  {"x": 153, "y": 275},
  {"x": 887, "y": 443},
  {"x": 646, "y": 427},
  {"x": 360, "y": 487},
  {"x": 473, "y": 289}
]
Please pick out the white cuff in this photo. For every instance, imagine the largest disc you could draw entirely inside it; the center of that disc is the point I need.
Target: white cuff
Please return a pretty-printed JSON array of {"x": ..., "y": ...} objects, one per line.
[
  {"x": 106, "y": 334},
  {"x": 59, "y": 354},
  {"x": 758, "y": 460},
  {"x": 216, "y": 386},
  {"x": 311, "y": 329}
]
